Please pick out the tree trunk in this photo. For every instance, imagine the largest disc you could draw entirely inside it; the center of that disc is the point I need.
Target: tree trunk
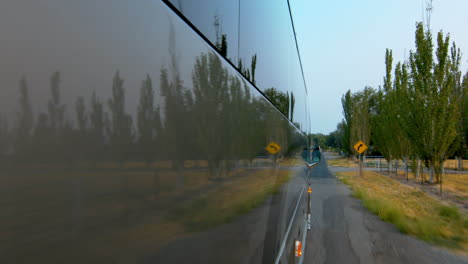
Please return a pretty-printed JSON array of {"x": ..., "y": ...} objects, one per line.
[
  {"x": 360, "y": 166},
  {"x": 418, "y": 168},
  {"x": 441, "y": 176},
  {"x": 406, "y": 168},
  {"x": 459, "y": 163},
  {"x": 431, "y": 173},
  {"x": 396, "y": 168},
  {"x": 389, "y": 166},
  {"x": 440, "y": 190}
]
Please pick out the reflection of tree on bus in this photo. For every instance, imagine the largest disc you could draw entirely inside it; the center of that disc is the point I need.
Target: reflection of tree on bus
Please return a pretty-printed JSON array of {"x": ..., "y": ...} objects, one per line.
[{"x": 306, "y": 155}]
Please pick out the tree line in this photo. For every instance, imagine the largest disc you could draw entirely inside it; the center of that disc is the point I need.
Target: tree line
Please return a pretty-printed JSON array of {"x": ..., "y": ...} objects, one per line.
[
  {"x": 216, "y": 119},
  {"x": 419, "y": 114}
]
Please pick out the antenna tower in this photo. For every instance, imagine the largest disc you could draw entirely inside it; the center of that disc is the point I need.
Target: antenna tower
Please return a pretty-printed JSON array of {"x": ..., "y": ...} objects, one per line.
[
  {"x": 218, "y": 29},
  {"x": 429, "y": 9}
]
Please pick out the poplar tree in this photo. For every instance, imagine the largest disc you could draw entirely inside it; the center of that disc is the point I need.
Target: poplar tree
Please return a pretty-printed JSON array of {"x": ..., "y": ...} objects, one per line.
[
  {"x": 120, "y": 126},
  {"x": 465, "y": 112},
  {"x": 55, "y": 107},
  {"x": 81, "y": 136},
  {"x": 384, "y": 122},
  {"x": 145, "y": 120},
  {"x": 24, "y": 120},
  {"x": 433, "y": 107},
  {"x": 459, "y": 92},
  {"x": 81, "y": 116},
  {"x": 97, "y": 128},
  {"x": 363, "y": 103},
  {"x": 347, "y": 104},
  {"x": 210, "y": 86},
  {"x": 399, "y": 99}
]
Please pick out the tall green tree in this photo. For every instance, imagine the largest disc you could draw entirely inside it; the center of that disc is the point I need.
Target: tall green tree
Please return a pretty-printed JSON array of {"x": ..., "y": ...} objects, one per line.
[
  {"x": 382, "y": 133},
  {"x": 97, "y": 128},
  {"x": 42, "y": 138},
  {"x": 146, "y": 120},
  {"x": 211, "y": 85},
  {"x": 465, "y": 113},
  {"x": 363, "y": 103},
  {"x": 24, "y": 120},
  {"x": 398, "y": 97},
  {"x": 120, "y": 125},
  {"x": 433, "y": 111},
  {"x": 56, "y": 119},
  {"x": 347, "y": 104},
  {"x": 279, "y": 99},
  {"x": 56, "y": 109},
  {"x": 253, "y": 66},
  {"x": 459, "y": 92},
  {"x": 389, "y": 136},
  {"x": 81, "y": 115},
  {"x": 384, "y": 121},
  {"x": 81, "y": 139}
]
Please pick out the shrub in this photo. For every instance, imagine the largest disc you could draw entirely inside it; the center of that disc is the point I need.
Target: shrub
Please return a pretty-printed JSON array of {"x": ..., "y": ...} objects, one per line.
[{"x": 449, "y": 212}]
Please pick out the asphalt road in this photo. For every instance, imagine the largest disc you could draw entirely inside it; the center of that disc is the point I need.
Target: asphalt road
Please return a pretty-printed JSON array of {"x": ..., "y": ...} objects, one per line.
[{"x": 342, "y": 231}]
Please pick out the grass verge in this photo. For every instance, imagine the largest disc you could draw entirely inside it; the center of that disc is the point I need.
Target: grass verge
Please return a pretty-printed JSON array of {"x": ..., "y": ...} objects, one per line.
[
  {"x": 229, "y": 200},
  {"x": 410, "y": 210},
  {"x": 344, "y": 162},
  {"x": 455, "y": 184}
]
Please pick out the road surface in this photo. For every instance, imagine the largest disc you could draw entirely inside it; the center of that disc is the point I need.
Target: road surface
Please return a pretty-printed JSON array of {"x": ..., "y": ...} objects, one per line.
[{"x": 343, "y": 231}]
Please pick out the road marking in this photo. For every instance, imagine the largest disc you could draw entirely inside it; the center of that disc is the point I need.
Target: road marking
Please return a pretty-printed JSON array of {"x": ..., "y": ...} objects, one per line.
[{"x": 283, "y": 244}]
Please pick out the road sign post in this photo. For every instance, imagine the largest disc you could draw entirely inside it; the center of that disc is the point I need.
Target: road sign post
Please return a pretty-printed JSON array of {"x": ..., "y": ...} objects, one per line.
[
  {"x": 273, "y": 148},
  {"x": 360, "y": 147},
  {"x": 360, "y": 165}
]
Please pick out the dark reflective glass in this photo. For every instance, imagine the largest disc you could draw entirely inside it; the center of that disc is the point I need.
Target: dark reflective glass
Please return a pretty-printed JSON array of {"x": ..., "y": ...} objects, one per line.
[
  {"x": 259, "y": 41},
  {"x": 122, "y": 143},
  {"x": 217, "y": 20}
]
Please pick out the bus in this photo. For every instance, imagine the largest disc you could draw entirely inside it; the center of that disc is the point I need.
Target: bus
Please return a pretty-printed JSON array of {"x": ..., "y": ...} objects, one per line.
[{"x": 151, "y": 132}]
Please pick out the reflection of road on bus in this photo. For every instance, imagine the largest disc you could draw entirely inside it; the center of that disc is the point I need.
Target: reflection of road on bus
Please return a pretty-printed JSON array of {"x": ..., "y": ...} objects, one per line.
[
  {"x": 342, "y": 231},
  {"x": 261, "y": 232},
  {"x": 207, "y": 215}
]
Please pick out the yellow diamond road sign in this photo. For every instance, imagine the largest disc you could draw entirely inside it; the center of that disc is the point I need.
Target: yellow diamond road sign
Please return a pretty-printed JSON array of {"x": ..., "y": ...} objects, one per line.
[
  {"x": 360, "y": 147},
  {"x": 273, "y": 148}
]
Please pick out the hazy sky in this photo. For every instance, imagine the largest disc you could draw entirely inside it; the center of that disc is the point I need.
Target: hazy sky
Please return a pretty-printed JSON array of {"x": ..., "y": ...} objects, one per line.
[{"x": 343, "y": 44}]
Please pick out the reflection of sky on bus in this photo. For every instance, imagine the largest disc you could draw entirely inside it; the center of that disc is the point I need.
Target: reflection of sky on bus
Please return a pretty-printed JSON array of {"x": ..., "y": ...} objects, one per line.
[
  {"x": 32, "y": 57},
  {"x": 265, "y": 31},
  {"x": 343, "y": 45},
  {"x": 114, "y": 43},
  {"x": 117, "y": 36}
]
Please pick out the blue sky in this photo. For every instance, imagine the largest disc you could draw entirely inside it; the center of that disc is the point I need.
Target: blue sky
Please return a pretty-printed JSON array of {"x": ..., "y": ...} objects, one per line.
[{"x": 342, "y": 44}]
